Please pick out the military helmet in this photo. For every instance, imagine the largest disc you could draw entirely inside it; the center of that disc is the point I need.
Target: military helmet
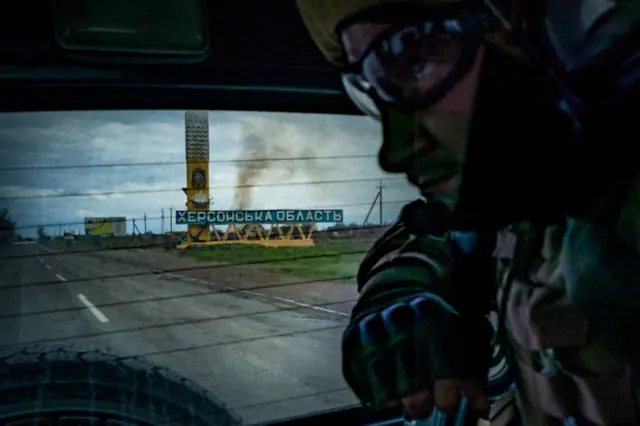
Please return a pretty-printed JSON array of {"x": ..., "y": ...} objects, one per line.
[{"x": 322, "y": 17}]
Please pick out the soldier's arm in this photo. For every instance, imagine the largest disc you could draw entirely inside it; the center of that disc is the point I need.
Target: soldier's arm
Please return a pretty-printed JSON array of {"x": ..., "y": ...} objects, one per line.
[
  {"x": 421, "y": 273},
  {"x": 421, "y": 251}
]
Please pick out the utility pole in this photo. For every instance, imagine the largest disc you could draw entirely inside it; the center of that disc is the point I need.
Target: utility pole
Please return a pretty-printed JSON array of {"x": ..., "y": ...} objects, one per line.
[
  {"x": 375, "y": 200},
  {"x": 380, "y": 186},
  {"x": 170, "y": 219},
  {"x": 135, "y": 228},
  {"x": 162, "y": 222},
  {"x": 145, "y": 223}
]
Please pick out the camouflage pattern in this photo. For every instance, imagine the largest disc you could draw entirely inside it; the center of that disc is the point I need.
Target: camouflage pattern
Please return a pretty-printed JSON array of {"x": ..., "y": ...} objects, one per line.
[
  {"x": 558, "y": 286},
  {"x": 563, "y": 370},
  {"x": 382, "y": 359}
]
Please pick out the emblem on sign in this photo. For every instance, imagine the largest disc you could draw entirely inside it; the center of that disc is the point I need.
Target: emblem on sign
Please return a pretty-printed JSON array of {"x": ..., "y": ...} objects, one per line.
[
  {"x": 198, "y": 179},
  {"x": 200, "y": 200}
]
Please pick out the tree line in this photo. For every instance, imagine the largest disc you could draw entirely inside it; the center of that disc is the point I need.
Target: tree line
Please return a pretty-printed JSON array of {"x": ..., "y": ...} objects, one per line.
[{"x": 7, "y": 227}]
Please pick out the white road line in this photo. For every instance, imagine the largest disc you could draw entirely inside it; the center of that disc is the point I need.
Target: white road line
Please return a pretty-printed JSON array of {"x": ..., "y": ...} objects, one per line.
[
  {"x": 305, "y": 305},
  {"x": 48, "y": 266},
  {"x": 95, "y": 311},
  {"x": 255, "y": 293},
  {"x": 41, "y": 261},
  {"x": 267, "y": 296},
  {"x": 60, "y": 277},
  {"x": 293, "y": 302}
]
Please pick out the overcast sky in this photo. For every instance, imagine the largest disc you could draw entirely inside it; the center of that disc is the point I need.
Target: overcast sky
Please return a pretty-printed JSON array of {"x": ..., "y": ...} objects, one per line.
[{"x": 30, "y": 142}]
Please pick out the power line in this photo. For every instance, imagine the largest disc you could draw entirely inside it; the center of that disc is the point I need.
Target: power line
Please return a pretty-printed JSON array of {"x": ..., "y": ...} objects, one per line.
[
  {"x": 183, "y": 349},
  {"x": 165, "y": 271},
  {"x": 138, "y": 246},
  {"x": 160, "y": 272},
  {"x": 171, "y": 324},
  {"x": 180, "y": 163},
  {"x": 180, "y": 296},
  {"x": 156, "y": 191},
  {"x": 191, "y": 347}
]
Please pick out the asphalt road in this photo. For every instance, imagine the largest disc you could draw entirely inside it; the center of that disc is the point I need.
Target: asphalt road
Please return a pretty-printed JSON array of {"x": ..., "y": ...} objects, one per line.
[{"x": 266, "y": 356}]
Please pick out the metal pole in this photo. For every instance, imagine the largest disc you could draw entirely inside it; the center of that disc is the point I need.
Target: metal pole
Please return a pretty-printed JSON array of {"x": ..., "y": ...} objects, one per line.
[
  {"x": 135, "y": 227},
  {"x": 162, "y": 222},
  {"x": 375, "y": 200},
  {"x": 145, "y": 223},
  {"x": 381, "y": 220},
  {"x": 171, "y": 219}
]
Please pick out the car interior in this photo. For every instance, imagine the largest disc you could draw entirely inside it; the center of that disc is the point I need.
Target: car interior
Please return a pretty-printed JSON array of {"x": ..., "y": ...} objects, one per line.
[{"x": 241, "y": 55}]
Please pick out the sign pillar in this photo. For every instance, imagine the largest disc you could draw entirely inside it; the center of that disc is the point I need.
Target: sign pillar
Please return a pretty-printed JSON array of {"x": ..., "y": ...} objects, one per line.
[{"x": 197, "y": 155}]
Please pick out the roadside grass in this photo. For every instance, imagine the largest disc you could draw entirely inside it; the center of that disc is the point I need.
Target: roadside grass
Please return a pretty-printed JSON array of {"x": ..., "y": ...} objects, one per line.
[{"x": 330, "y": 263}]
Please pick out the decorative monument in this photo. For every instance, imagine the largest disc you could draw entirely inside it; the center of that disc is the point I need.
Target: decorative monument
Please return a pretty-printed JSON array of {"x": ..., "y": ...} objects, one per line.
[
  {"x": 286, "y": 227},
  {"x": 196, "y": 125}
]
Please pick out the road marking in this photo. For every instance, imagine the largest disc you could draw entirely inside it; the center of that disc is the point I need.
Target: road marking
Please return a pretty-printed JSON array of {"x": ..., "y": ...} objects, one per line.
[
  {"x": 293, "y": 302},
  {"x": 267, "y": 296},
  {"x": 41, "y": 261},
  {"x": 48, "y": 266},
  {"x": 60, "y": 277},
  {"x": 95, "y": 311},
  {"x": 305, "y": 305},
  {"x": 255, "y": 293}
]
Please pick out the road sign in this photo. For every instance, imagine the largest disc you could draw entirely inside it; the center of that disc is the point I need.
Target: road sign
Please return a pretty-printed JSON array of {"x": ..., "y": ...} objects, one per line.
[
  {"x": 243, "y": 217},
  {"x": 94, "y": 226}
]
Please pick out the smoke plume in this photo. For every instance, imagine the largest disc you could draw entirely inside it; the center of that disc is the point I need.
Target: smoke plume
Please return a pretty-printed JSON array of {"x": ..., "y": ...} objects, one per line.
[{"x": 271, "y": 139}]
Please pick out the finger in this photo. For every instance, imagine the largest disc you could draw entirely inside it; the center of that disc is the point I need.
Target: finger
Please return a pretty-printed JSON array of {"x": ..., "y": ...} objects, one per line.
[
  {"x": 419, "y": 405},
  {"x": 476, "y": 395},
  {"x": 446, "y": 394}
]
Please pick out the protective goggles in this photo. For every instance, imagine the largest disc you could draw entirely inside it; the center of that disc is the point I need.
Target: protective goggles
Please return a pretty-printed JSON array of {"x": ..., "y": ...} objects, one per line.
[{"x": 417, "y": 60}]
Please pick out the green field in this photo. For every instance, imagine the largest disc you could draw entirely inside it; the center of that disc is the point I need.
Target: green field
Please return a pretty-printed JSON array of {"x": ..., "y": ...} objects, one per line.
[{"x": 324, "y": 260}]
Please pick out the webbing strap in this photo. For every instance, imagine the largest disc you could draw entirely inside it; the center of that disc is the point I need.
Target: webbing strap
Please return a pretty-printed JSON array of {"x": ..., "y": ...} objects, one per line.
[{"x": 528, "y": 239}]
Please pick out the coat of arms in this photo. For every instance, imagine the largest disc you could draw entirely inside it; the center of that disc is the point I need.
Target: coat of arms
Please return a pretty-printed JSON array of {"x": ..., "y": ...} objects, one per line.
[
  {"x": 198, "y": 179},
  {"x": 199, "y": 182}
]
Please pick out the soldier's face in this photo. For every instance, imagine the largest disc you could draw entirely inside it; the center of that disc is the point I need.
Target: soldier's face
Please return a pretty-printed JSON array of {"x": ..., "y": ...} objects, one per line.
[{"x": 447, "y": 120}]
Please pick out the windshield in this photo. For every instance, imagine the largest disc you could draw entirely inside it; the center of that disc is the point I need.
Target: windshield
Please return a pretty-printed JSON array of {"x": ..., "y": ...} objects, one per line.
[{"x": 220, "y": 245}]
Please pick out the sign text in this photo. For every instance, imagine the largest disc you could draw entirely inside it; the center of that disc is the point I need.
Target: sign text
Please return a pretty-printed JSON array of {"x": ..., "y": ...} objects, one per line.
[{"x": 238, "y": 217}]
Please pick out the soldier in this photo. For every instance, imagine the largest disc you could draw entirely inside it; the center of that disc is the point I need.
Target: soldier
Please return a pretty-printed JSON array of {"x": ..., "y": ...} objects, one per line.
[{"x": 510, "y": 118}]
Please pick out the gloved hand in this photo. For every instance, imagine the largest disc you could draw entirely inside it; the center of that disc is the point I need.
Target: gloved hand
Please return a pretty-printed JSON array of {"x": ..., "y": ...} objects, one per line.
[{"x": 405, "y": 341}]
